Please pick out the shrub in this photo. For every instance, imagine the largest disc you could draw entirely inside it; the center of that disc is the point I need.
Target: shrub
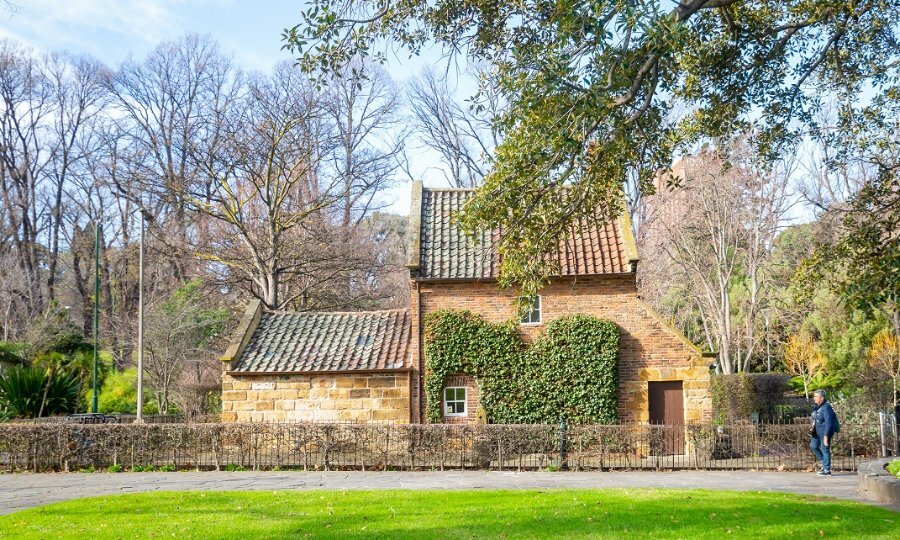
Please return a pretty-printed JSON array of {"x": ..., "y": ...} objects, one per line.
[
  {"x": 894, "y": 467},
  {"x": 11, "y": 353},
  {"x": 24, "y": 389},
  {"x": 733, "y": 397},
  {"x": 737, "y": 396},
  {"x": 119, "y": 394},
  {"x": 770, "y": 389},
  {"x": 855, "y": 408}
]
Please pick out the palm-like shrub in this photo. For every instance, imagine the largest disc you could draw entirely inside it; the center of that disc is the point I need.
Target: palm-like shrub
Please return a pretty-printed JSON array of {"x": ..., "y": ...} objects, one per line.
[{"x": 24, "y": 389}]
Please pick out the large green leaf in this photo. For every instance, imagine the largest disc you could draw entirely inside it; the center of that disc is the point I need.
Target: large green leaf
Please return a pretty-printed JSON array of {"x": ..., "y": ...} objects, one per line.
[{"x": 23, "y": 389}]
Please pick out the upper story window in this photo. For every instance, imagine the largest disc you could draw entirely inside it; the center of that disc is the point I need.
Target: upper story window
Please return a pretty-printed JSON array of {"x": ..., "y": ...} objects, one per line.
[
  {"x": 454, "y": 401},
  {"x": 533, "y": 315}
]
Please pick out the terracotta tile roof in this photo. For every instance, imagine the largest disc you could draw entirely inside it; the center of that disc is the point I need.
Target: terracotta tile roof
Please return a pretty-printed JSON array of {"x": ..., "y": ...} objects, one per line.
[
  {"x": 303, "y": 342},
  {"x": 446, "y": 253}
]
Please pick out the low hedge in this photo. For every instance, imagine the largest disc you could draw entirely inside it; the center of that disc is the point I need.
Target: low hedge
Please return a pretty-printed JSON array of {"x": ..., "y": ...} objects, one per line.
[{"x": 235, "y": 446}]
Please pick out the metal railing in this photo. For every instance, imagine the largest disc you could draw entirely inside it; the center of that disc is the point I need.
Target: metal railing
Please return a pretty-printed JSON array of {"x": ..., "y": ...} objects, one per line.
[
  {"x": 887, "y": 425},
  {"x": 68, "y": 446}
]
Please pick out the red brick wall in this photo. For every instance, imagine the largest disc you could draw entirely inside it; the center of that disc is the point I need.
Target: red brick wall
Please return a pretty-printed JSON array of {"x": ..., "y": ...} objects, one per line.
[
  {"x": 472, "y": 400},
  {"x": 649, "y": 349}
]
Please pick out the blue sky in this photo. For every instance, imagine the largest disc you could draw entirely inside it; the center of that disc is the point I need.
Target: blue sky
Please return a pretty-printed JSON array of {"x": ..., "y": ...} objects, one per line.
[{"x": 113, "y": 30}]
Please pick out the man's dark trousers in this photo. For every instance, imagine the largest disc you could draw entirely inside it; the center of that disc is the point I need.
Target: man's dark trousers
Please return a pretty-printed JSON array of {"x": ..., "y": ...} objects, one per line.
[{"x": 822, "y": 452}]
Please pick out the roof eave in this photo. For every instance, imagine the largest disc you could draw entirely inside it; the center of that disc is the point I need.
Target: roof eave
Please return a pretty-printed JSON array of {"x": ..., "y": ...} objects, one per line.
[
  {"x": 494, "y": 280},
  {"x": 415, "y": 226},
  {"x": 628, "y": 241},
  {"x": 320, "y": 372},
  {"x": 244, "y": 331}
]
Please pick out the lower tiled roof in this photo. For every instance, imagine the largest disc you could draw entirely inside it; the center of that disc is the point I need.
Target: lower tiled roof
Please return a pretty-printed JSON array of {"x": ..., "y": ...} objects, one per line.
[{"x": 321, "y": 342}]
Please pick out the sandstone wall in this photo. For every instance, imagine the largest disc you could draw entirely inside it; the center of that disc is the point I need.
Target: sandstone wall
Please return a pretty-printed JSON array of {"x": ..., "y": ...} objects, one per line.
[
  {"x": 340, "y": 397},
  {"x": 650, "y": 350}
]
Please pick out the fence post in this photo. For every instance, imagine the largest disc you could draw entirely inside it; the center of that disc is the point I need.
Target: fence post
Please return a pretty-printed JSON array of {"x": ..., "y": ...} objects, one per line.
[{"x": 562, "y": 444}]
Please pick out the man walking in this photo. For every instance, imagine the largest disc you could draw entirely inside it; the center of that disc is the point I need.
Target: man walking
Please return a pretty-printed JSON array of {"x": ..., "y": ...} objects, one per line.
[{"x": 824, "y": 424}]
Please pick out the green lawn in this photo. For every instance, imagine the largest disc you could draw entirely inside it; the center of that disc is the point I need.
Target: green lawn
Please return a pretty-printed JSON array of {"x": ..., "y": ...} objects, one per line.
[{"x": 454, "y": 514}]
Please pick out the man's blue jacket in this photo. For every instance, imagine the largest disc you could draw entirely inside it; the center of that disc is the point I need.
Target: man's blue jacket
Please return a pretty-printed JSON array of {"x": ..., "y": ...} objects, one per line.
[{"x": 824, "y": 420}]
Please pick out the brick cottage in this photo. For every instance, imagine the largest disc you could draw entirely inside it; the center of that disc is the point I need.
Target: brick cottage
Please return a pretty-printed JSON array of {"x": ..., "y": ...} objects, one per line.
[{"x": 369, "y": 366}]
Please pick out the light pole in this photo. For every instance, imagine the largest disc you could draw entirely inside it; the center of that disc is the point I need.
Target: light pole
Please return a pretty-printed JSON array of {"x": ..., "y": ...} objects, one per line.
[
  {"x": 765, "y": 312},
  {"x": 96, "y": 312},
  {"x": 140, "y": 351}
]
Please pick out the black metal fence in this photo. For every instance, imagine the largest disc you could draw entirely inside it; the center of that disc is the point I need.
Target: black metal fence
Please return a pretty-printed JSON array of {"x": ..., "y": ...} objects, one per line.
[{"x": 68, "y": 447}]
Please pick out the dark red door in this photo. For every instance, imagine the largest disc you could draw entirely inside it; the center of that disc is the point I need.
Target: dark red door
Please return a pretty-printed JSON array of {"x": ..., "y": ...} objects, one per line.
[{"x": 667, "y": 408}]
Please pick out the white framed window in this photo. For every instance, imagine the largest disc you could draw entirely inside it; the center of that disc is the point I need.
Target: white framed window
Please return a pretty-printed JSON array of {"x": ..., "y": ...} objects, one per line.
[
  {"x": 454, "y": 401},
  {"x": 533, "y": 315}
]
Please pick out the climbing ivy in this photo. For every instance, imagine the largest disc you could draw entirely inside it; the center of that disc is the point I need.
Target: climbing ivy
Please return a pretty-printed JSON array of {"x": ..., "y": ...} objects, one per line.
[{"x": 571, "y": 370}]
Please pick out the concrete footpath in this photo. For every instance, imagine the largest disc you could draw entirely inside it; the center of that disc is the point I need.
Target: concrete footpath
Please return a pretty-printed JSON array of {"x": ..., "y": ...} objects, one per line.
[{"x": 24, "y": 490}]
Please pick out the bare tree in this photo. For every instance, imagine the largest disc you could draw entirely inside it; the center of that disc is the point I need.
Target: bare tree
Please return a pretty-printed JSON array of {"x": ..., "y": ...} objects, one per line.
[
  {"x": 363, "y": 105},
  {"x": 463, "y": 136},
  {"x": 712, "y": 237},
  {"x": 265, "y": 191},
  {"x": 254, "y": 185},
  {"x": 26, "y": 104},
  {"x": 199, "y": 384},
  {"x": 77, "y": 94},
  {"x": 828, "y": 182},
  {"x": 167, "y": 103},
  {"x": 180, "y": 330}
]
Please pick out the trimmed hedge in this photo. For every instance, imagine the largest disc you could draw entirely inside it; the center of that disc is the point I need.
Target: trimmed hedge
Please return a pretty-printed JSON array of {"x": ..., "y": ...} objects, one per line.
[
  {"x": 167, "y": 447},
  {"x": 571, "y": 370},
  {"x": 737, "y": 396}
]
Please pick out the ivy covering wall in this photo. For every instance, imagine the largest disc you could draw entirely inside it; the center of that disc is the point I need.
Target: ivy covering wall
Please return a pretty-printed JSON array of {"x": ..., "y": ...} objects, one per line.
[{"x": 570, "y": 370}]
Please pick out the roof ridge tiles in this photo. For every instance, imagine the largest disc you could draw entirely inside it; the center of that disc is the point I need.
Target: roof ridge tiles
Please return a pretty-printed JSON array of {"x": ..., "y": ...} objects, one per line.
[
  {"x": 449, "y": 189},
  {"x": 303, "y": 313}
]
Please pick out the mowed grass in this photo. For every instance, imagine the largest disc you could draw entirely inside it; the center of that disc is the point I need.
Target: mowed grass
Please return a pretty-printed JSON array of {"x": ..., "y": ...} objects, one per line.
[{"x": 647, "y": 513}]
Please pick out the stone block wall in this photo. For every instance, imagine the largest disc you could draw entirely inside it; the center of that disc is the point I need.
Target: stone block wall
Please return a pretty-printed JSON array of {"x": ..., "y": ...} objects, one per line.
[
  {"x": 650, "y": 350},
  {"x": 338, "y": 397}
]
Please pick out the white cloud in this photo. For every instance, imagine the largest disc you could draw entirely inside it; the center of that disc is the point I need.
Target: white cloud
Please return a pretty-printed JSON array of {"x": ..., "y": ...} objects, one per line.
[{"x": 93, "y": 25}]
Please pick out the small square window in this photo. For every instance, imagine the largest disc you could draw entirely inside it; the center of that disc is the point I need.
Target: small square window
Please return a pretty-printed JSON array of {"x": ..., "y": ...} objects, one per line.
[
  {"x": 454, "y": 401},
  {"x": 533, "y": 315}
]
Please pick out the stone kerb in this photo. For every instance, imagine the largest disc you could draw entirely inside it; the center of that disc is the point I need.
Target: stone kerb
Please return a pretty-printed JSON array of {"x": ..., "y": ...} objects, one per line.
[{"x": 877, "y": 484}]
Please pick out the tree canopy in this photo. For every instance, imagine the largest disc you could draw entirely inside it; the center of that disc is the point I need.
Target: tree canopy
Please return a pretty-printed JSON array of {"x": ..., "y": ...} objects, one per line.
[{"x": 605, "y": 92}]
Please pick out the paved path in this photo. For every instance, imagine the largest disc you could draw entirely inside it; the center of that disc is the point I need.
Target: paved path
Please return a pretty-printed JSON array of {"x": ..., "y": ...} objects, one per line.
[{"x": 20, "y": 491}]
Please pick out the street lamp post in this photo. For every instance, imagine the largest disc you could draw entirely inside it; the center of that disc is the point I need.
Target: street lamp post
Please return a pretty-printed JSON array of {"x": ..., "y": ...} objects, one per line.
[
  {"x": 768, "y": 350},
  {"x": 96, "y": 313},
  {"x": 140, "y": 351}
]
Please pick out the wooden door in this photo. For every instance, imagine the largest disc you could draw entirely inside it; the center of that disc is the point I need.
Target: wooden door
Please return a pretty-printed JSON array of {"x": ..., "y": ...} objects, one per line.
[{"x": 666, "y": 400}]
